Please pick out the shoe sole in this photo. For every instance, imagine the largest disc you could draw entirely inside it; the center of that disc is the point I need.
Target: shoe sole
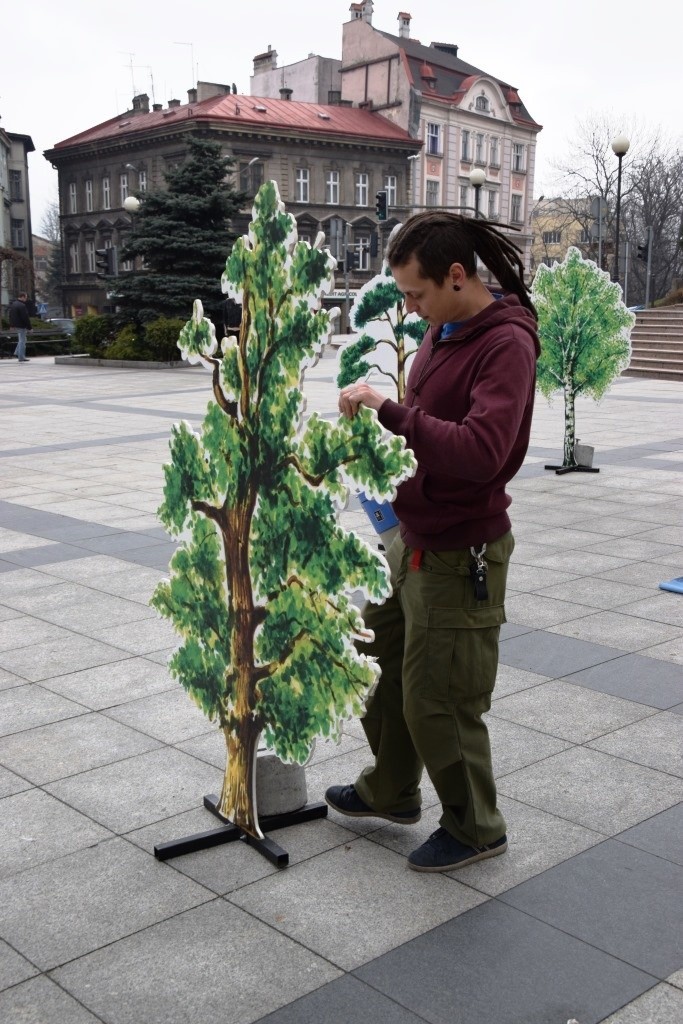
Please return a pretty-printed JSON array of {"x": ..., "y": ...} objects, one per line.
[
  {"x": 375, "y": 814},
  {"x": 484, "y": 855}
]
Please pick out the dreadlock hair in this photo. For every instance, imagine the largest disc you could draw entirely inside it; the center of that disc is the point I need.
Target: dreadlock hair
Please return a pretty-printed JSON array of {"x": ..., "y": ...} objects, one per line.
[{"x": 439, "y": 238}]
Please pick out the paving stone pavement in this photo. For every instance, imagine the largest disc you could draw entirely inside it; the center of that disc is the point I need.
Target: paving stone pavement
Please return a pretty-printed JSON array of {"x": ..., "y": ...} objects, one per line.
[{"x": 102, "y": 756}]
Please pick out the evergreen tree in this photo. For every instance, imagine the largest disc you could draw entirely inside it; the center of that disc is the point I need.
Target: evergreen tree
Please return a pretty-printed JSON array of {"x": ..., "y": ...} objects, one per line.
[
  {"x": 260, "y": 588},
  {"x": 584, "y": 328},
  {"x": 181, "y": 234}
]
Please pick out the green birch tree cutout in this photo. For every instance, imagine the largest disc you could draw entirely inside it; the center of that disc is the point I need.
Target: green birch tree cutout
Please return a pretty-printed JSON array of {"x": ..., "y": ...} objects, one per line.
[
  {"x": 260, "y": 584},
  {"x": 585, "y": 329},
  {"x": 379, "y": 311}
]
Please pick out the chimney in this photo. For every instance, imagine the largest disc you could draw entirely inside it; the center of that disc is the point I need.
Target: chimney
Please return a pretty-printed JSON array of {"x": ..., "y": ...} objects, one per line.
[
  {"x": 173, "y": 103},
  {"x": 404, "y": 25},
  {"x": 285, "y": 93},
  {"x": 362, "y": 11},
  {"x": 191, "y": 95},
  {"x": 141, "y": 104},
  {"x": 265, "y": 61},
  {"x": 157, "y": 106}
]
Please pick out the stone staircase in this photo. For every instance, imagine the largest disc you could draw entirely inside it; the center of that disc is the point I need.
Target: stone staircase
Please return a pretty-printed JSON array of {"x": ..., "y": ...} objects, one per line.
[{"x": 657, "y": 344}]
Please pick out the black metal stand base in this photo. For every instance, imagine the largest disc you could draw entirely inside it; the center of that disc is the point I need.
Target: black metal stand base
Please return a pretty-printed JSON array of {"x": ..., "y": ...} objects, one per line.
[
  {"x": 229, "y": 833},
  {"x": 572, "y": 469}
]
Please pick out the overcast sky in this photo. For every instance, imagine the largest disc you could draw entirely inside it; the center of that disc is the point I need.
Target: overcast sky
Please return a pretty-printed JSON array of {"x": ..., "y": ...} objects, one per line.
[{"x": 67, "y": 66}]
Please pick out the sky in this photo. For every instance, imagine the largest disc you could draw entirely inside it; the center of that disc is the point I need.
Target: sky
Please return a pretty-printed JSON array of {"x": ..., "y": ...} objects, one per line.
[{"x": 73, "y": 64}]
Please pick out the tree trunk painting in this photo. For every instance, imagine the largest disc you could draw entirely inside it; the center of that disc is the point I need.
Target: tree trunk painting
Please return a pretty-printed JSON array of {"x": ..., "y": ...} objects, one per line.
[{"x": 261, "y": 583}]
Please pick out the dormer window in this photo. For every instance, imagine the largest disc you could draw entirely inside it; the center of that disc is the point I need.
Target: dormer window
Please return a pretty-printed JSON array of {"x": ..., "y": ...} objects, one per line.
[{"x": 482, "y": 103}]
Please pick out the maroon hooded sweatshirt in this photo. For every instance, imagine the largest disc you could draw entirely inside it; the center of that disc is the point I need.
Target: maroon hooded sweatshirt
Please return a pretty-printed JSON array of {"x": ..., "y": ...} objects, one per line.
[{"x": 467, "y": 416}]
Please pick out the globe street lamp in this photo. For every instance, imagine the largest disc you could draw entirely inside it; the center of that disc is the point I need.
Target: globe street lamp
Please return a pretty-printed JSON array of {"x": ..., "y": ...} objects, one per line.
[
  {"x": 620, "y": 147},
  {"x": 477, "y": 179}
]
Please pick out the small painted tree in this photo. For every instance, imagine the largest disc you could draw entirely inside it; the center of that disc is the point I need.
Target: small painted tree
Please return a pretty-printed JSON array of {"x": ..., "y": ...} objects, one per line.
[
  {"x": 584, "y": 329},
  {"x": 379, "y": 310},
  {"x": 260, "y": 583}
]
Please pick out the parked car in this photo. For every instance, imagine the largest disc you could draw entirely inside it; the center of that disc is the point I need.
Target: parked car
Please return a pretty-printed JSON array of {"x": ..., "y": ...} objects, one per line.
[{"x": 64, "y": 324}]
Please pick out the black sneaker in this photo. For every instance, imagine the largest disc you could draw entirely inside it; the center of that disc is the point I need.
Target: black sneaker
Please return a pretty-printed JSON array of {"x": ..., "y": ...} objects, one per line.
[
  {"x": 23, "y": 360},
  {"x": 443, "y": 852},
  {"x": 345, "y": 800}
]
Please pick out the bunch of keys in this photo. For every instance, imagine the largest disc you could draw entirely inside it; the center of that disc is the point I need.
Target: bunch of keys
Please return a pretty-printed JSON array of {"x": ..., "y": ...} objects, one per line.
[{"x": 478, "y": 574}]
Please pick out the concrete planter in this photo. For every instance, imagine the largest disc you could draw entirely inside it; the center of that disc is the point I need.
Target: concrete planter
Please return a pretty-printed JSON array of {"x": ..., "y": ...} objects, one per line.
[
  {"x": 134, "y": 364},
  {"x": 280, "y": 788},
  {"x": 583, "y": 454}
]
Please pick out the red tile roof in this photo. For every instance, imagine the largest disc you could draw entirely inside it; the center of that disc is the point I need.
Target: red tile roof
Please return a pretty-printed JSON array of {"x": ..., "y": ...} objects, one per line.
[{"x": 252, "y": 111}]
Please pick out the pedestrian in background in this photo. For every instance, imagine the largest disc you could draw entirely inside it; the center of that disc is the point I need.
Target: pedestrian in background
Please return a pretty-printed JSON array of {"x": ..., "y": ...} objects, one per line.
[
  {"x": 20, "y": 321},
  {"x": 232, "y": 317}
]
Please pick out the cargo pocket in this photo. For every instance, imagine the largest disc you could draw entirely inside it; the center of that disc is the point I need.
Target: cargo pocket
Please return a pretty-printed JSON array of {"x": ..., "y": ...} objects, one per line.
[{"x": 461, "y": 652}]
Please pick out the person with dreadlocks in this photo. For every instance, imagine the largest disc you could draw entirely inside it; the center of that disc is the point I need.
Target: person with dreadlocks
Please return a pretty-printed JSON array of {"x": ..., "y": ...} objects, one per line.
[{"x": 467, "y": 417}]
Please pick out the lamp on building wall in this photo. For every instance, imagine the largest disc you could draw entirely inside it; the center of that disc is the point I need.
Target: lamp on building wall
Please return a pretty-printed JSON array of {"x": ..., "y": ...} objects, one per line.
[
  {"x": 477, "y": 179},
  {"x": 412, "y": 174},
  {"x": 620, "y": 147}
]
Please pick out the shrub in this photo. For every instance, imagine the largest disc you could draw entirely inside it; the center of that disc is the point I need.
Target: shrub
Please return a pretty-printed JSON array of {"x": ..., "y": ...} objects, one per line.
[
  {"x": 92, "y": 333},
  {"x": 674, "y": 298},
  {"x": 161, "y": 339},
  {"x": 127, "y": 345}
]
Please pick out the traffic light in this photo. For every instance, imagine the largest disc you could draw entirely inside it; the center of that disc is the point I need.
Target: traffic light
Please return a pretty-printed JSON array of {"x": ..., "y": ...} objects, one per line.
[
  {"x": 102, "y": 262},
  {"x": 374, "y": 243},
  {"x": 381, "y": 205},
  {"x": 642, "y": 252},
  {"x": 351, "y": 260}
]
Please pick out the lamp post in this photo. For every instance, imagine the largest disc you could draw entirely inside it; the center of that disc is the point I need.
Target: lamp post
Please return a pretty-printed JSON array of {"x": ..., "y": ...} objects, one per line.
[
  {"x": 477, "y": 179},
  {"x": 620, "y": 147}
]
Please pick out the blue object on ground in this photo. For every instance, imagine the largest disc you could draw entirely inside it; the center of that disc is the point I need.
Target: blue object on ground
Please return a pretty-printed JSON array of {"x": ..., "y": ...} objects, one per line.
[{"x": 675, "y": 585}]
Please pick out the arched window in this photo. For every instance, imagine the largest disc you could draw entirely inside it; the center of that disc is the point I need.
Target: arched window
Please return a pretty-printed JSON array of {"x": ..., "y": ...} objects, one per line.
[{"x": 481, "y": 103}]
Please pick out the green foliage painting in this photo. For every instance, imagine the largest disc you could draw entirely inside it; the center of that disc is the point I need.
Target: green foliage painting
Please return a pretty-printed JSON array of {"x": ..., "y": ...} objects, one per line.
[
  {"x": 260, "y": 584},
  {"x": 390, "y": 335},
  {"x": 584, "y": 329}
]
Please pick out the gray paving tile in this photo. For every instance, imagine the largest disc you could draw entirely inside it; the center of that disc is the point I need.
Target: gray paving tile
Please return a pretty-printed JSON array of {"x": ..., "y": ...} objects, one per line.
[
  {"x": 619, "y": 630},
  {"x": 56, "y": 657},
  {"x": 37, "y": 828},
  {"x": 47, "y": 555},
  {"x": 144, "y": 637},
  {"x": 634, "y": 677},
  {"x": 641, "y": 574},
  {"x": 663, "y": 1004},
  {"x": 11, "y": 783},
  {"x": 106, "y": 686},
  {"x": 132, "y": 793},
  {"x": 40, "y": 1001},
  {"x": 601, "y": 792},
  {"x": 538, "y": 612},
  {"x": 74, "y": 606},
  {"x": 599, "y": 894},
  {"x": 25, "y": 707},
  {"x": 659, "y": 835},
  {"x": 162, "y": 982},
  {"x": 552, "y": 655},
  {"x": 74, "y": 745},
  {"x": 656, "y": 742},
  {"x": 371, "y": 884},
  {"x": 512, "y": 680},
  {"x": 514, "y": 746},
  {"x": 55, "y": 912},
  {"x": 541, "y": 974},
  {"x": 676, "y": 979},
  {"x": 169, "y": 716},
  {"x": 575, "y": 714},
  {"x": 661, "y": 607},
  {"x": 26, "y": 631},
  {"x": 527, "y": 577},
  {"x": 596, "y": 592},
  {"x": 341, "y": 1001},
  {"x": 14, "y": 968},
  {"x": 509, "y": 629},
  {"x": 671, "y": 651},
  {"x": 8, "y": 680}
]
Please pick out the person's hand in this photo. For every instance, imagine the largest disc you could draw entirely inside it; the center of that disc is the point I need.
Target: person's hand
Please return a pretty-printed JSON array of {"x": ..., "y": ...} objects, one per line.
[{"x": 355, "y": 395}]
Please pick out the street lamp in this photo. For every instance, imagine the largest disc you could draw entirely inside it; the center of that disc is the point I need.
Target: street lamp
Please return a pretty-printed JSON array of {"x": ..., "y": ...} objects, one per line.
[
  {"x": 477, "y": 179},
  {"x": 620, "y": 147}
]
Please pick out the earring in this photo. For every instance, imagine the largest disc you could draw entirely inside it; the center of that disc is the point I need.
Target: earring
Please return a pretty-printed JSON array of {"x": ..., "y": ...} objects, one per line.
[{"x": 456, "y": 287}]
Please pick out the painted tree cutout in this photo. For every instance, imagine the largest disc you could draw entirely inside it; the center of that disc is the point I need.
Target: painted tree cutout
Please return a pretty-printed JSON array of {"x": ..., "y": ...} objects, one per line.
[
  {"x": 379, "y": 310},
  {"x": 584, "y": 328},
  {"x": 260, "y": 584}
]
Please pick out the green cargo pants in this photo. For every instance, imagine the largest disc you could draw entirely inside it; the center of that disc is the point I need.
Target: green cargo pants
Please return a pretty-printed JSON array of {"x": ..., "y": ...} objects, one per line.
[{"x": 437, "y": 647}]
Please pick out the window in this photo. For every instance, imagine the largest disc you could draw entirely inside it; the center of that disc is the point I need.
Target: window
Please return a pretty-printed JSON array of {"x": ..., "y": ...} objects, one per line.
[
  {"x": 516, "y": 209},
  {"x": 90, "y": 257},
  {"x": 362, "y": 189},
  {"x": 73, "y": 198},
  {"x": 552, "y": 237},
  {"x": 432, "y": 193},
  {"x": 493, "y": 204},
  {"x": 494, "y": 159},
  {"x": 465, "y": 139},
  {"x": 251, "y": 178},
  {"x": 74, "y": 258},
  {"x": 332, "y": 188},
  {"x": 302, "y": 184},
  {"x": 433, "y": 139},
  {"x": 123, "y": 187},
  {"x": 142, "y": 181},
  {"x": 586, "y": 236},
  {"x": 18, "y": 234},
  {"x": 88, "y": 195},
  {"x": 305, "y": 236},
  {"x": 481, "y": 103},
  {"x": 16, "y": 190},
  {"x": 517, "y": 156},
  {"x": 106, "y": 194},
  {"x": 391, "y": 189},
  {"x": 479, "y": 148},
  {"x": 464, "y": 196},
  {"x": 363, "y": 250}
]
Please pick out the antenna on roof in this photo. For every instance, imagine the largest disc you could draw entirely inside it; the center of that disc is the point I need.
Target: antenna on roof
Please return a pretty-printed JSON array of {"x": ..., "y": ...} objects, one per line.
[
  {"x": 192, "y": 68},
  {"x": 130, "y": 65}
]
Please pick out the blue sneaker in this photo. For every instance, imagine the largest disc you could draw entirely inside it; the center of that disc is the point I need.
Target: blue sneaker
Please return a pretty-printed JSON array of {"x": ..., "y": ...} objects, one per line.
[
  {"x": 345, "y": 800},
  {"x": 443, "y": 852}
]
